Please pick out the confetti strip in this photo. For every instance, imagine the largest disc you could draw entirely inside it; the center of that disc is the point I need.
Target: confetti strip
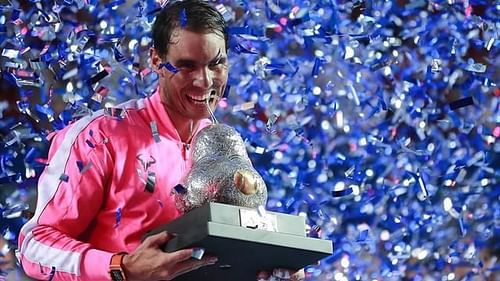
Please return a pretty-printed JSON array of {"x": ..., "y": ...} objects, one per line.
[
  {"x": 154, "y": 131},
  {"x": 180, "y": 189},
  {"x": 118, "y": 217},
  {"x": 98, "y": 77},
  {"x": 198, "y": 253},
  {"x": 461, "y": 103},
  {"x": 243, "y": 106},
  {"x": 151, "y": 182},
  {"x": 183, "y": 18},
  {"x": 169, "y": 67},
  {"x": 64, "y": 177}
]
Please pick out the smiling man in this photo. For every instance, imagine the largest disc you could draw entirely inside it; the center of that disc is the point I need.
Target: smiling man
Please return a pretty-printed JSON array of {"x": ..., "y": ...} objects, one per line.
[
  {"x": 110, "y": 174},
  {"x": 193, "y": 69}
]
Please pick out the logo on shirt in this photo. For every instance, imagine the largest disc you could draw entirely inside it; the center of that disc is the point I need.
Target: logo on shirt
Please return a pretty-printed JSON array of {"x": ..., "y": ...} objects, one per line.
[{"x": 143, "y": 171}]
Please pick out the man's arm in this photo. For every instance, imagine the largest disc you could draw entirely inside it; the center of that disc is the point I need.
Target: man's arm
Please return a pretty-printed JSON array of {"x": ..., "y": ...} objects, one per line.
[{"x": 70, "y": 193}]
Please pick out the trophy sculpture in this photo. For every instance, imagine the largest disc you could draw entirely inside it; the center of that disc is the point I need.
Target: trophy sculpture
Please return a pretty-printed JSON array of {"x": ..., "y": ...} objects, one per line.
[
  {"x": 223, "y": 198},
  {"x": 221, "y": 172}
]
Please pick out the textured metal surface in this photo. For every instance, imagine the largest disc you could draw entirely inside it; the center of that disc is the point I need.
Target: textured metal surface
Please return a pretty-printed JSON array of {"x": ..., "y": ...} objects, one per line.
[{"x": 218, "y": 153}]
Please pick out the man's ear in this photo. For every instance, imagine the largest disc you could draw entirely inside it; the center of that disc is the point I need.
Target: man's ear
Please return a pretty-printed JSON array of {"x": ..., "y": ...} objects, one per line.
[{"x": 155, "y": 60}]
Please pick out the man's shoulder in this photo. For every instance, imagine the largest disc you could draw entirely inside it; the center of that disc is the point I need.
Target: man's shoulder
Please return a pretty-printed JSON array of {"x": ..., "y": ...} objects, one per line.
[{"x": 115, "y": 120}]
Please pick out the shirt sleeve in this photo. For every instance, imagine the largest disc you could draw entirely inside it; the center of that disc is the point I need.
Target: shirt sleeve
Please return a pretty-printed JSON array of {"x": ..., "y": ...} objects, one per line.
[{"x": 70, "y": 193}]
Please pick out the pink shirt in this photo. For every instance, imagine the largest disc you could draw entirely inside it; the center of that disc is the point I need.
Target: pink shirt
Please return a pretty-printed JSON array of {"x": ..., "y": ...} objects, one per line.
[{"x": 93, "y": 197}]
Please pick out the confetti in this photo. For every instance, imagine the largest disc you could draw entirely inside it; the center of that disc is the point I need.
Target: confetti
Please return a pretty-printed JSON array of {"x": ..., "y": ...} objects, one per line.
[
  {"x": 341, "y": 193},
  {"x": 183, "y": 18},
  {"x": 151, "y": 182},
  {"x": 14, "y": 211},
  {"x": 83, "y": 167},
  {"x": 324, "y": 92},
  {"x": 118, "y": 217},
  {"x": 9, "y": 53},
  {"x": 225, "y": 12},
  {"x": 118, "y": 113},
  {"x": 154, "y": 131},
  {"x": 64, "y": 177},
  {"x": 461, "y": 103},
  {"x": 243, "y": 106},
  {"x": 169, "y": 67},
  {"x": 476, "y": 67},
  {"x": 180, "y": 189},
  {"x": 198, "y": 253},
  {"x": 314, "y": 231},
  {"x": 98, "y": 77}
]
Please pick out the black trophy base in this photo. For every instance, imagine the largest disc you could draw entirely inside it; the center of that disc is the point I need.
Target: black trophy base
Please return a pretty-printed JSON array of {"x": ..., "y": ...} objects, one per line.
[{"x": 223, "y": 231}]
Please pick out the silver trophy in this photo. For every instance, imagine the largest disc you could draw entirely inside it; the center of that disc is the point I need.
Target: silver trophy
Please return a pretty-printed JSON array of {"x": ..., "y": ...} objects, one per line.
[
  {"x": 221, "y": 172},
  {"x": 243, "y": 238}
]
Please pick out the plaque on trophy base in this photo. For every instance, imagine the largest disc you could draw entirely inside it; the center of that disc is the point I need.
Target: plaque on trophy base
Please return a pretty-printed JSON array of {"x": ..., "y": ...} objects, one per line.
[{"x": 244, "y": 241}]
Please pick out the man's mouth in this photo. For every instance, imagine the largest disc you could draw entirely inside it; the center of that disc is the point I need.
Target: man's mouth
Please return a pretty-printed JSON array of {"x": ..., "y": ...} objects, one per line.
[{"x": 203, "y": 99}]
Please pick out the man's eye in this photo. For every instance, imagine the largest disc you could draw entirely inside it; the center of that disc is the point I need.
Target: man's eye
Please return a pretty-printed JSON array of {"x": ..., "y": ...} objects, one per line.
[
  {"x": 187, "y": 67},
  {"x": 217, "y": 62}
]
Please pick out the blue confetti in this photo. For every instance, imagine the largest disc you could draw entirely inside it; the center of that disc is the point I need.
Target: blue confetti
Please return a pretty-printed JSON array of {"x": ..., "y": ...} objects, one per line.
[
  {"x": 341, "y": 193},
  {"x": 90, "y": 144},
  {"x": 118, "y": 217},
  {"x": 169, "y": 67},
  {"x": 360, "y": 92},
  {"x": 363, "y": 235},
  {"x": 180, "y": 189},
  {"x": 82, "y": 167},
  {"x": 64, "y": 177},
  {"x": 316, "y": 67},
  {"x": 183, "y": 18},
  {"x": 461, "y": 103}
]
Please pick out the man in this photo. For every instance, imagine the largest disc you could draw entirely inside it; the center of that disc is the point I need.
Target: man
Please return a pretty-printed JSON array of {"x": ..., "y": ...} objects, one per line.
[{"x": 110, "y": 175}]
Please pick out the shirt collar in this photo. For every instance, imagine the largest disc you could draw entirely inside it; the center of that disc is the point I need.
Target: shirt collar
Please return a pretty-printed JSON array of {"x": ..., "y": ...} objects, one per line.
[{"x": 164, "y": 123}]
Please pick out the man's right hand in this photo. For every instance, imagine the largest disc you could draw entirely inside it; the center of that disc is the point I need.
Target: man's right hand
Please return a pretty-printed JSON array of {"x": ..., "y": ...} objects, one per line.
[{"x": 149, "y": 262}]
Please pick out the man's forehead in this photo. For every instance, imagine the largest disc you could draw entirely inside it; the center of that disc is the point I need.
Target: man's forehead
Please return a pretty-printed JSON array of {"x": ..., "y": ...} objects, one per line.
[
  {"x": 196, "y": 46},
  {"x": 178, "y": 31},
  {"x": 184, "y": 58}
]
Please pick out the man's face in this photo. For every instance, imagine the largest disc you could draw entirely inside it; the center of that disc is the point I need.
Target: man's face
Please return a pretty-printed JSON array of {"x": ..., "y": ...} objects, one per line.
[{"x": 201, "y": 62}]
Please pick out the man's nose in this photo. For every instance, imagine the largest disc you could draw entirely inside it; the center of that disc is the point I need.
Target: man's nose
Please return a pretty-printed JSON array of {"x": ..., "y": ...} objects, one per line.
[{"x": 203, "y": 78}]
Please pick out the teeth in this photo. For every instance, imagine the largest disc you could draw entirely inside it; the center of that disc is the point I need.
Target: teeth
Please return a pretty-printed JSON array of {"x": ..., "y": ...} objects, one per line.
[{"x": 198, "y": 99}]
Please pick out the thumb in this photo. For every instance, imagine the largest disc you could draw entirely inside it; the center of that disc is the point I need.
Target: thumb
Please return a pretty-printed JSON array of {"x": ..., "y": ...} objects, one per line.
[{"x": 245, "y": 182}]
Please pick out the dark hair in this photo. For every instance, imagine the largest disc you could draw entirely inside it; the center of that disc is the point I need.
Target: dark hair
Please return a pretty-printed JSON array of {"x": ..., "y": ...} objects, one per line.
[{"x": 200, "y": 17}]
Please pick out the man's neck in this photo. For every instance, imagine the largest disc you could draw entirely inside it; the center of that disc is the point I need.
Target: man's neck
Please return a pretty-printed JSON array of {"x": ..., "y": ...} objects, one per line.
[{"x": 185, "y": 127}]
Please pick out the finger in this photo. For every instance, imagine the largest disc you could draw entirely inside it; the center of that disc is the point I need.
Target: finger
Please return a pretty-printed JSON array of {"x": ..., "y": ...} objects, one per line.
[
  {"x": 158, "y": 239},
  {"x": 181, "y": 255},
  {"x": 283, "y": 273},
  {"x": 246, "y": 182},
  {"x": 238, "y": 180},
  {"x": 299, "y": 275},
  {"x": 262, "y": 275},
  {"x": 190, "y": 265}
]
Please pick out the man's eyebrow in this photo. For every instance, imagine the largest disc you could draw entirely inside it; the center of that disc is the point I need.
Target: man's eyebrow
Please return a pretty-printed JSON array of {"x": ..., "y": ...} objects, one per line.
[
  {"x": 217, "y": 57},
  {"x": 185, "y": 62},
  {"x": 191, "y": 62}
]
